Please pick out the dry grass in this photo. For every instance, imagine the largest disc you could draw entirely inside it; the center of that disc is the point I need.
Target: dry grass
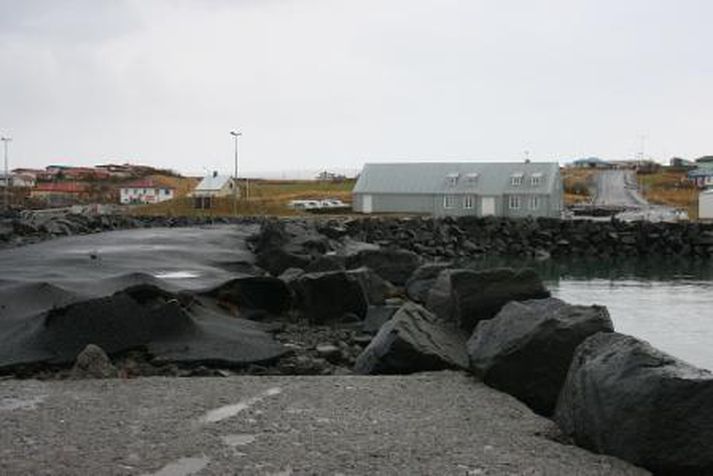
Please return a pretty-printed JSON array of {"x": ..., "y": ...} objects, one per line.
[
  {"x": 265, "y": 197},
  {"x": 671, "y": 188},
  {"x": 577, "y": 185}
]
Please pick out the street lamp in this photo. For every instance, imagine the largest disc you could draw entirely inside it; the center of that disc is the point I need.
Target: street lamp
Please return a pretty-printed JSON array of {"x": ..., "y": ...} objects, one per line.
[
  {"x": 235, "y": 135},
  {"x": 7, "y": 175}
]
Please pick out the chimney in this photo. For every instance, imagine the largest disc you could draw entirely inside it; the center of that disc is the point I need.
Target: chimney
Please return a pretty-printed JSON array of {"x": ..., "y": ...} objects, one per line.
[{"x": 215, "y": 173}]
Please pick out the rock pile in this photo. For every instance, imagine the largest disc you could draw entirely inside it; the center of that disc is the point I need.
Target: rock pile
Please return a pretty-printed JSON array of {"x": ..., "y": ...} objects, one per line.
[
  {"x": 450, "y": 238},
  {"x": 322, "y": 301},
  {"x": 19, "y": 229}
]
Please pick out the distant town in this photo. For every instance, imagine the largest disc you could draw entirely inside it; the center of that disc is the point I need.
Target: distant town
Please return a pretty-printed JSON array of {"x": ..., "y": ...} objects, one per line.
[{"x": 162, "y": 191}]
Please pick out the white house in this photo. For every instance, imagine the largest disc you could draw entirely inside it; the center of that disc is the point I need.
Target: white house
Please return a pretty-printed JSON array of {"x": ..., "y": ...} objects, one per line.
[
  {"x": 705, "y": 205},
  {"x": 145, "y": 191},
  {"x": 213, "y": 186}
]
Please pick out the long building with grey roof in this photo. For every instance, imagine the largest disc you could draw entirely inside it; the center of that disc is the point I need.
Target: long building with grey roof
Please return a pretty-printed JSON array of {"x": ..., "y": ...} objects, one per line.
[{"x": 509, "y": 189}]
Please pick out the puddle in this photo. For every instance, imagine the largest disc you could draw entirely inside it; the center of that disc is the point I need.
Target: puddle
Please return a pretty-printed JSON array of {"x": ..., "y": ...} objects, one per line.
[
  {"x": 10, "y": 404},
  {"x": 183, "y": 467},
  {"x": 229, "y": 411},
  {"x": 238, "y": 440},
  {"x": 177, "y": 275}
]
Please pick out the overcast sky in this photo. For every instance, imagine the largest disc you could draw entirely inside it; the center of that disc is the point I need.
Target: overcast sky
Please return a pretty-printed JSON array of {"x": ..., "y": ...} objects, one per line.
[{"x": 332, "y": 84}]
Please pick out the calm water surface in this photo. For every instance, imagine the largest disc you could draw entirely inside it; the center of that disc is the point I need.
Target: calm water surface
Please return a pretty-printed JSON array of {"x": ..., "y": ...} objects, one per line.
[
  {"x": 676, "y": 316},
  {"x": 667, "y": 303}
]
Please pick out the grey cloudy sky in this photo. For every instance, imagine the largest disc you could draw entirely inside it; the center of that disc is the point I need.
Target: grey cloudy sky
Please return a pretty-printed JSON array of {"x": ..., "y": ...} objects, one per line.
[{"x": 333, "y": 83}]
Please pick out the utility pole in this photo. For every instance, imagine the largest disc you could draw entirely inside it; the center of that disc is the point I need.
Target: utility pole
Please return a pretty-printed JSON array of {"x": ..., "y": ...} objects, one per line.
[
  {"x": 7, "y": 174},
  {"x": 235, "y": 135}
]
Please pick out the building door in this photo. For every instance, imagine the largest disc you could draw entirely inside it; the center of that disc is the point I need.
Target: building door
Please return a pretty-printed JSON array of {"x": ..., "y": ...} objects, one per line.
[
  {"x": 487, "y": 206},
  {"x": 366, "y": 204}
]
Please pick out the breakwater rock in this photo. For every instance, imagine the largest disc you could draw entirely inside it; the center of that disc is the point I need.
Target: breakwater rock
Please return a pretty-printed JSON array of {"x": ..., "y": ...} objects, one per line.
[
  {"x": 450, "y": 238},
  {"x": 624, "y": 398},
  {"x": 18, "y": 229}
]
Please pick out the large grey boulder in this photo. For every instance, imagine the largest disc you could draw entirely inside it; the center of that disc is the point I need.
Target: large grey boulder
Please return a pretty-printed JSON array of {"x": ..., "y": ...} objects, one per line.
[
  {"x": 467, "y": 296},
  {"x": 93, "y": 362},
  {"x": 327, "y": 297},
  {"x": 394, "y": 265},
  {"x": 413, "y": 340},
  {"x": 420, "y": 282},
  {"x": 624, "y": 398},
  {"x": 526, "y": 349},
  {"x": 376, "y": 317},
  {"x": 376, "y": 288}
]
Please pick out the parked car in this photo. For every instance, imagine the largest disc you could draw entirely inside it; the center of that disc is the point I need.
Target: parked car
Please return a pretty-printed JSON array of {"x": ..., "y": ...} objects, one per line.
[
  {"x": 304, "y": 204},
  {"x": 333, "y": 203}
]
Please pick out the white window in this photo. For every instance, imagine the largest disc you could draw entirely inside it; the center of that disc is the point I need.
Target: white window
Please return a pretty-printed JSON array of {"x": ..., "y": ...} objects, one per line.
[
  {"x": 452, "y": 179},
  {"x": 449, "y": 201},
  {"x": 472, "y": 178},
  {"x": 534, "y": 203},
  {"x": 536, "y": 179},
  {"x": 514, "y": 202},
  {"x": 468, "y": 201},
  {"x": 516, "y": 179}
]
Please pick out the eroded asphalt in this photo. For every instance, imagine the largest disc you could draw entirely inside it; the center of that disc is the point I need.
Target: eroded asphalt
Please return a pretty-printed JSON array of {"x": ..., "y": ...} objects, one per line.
[{"x": 434, "y": 423}]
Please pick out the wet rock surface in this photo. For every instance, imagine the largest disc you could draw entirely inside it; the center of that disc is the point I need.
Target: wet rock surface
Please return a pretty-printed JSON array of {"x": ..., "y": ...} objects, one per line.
[
  {"x": 623, "y": 397},
  {"x": 466, "y": 297},
  {"x": 527, "y": 348},
  {"x": 413, "y": 340}
]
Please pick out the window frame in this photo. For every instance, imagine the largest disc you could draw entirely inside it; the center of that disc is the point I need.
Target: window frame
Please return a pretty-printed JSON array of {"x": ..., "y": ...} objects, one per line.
[
  {"x": 449, "y": 201},
  {"x": 534, "y": 202},
  {"x": 514, "y": 202},
  {"x": 516, "y": 179},
  {"x": 468, "y": 202}
]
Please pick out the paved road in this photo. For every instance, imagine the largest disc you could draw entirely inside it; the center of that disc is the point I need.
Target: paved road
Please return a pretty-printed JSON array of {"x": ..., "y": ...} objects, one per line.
[
  {"x": 437, "y": 423},
  {"x": 619, "y": 189}
]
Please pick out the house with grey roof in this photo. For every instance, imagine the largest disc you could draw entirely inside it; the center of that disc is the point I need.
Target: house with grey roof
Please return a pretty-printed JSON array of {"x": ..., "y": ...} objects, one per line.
[
  {"x": 214, "y": 186},
  {"x": 519, "y": 189}
]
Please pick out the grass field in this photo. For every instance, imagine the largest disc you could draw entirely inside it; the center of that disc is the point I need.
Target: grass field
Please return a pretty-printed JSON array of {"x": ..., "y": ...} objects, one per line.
[
  {"x": 670, "y": 187},
  {"x": 577, "y": 185},
  {"x": 259, "y": 197}
]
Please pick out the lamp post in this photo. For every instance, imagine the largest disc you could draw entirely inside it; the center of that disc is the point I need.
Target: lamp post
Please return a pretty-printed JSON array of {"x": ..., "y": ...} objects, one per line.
[
  {"x": 235, "y": 135},
  {"x": 5, "y": 141}
]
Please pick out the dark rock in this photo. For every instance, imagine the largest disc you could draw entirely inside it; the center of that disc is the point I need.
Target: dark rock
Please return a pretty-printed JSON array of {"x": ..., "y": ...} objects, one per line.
[
  {"x": 325, "y": 297},
  {"x": 624, "y": 398},
  {"x": 351, "y": 247},
  {"x": 277, "y": 260},
  {"x": 395, "y": 266},
  {"x": 93, "y": 362},
  {"x": 376, "y": 289},
  {"x": 290, "y": 274},
  {"x": 377, "y": 316},
  {"x": 330, "y": 352},
  {"x": 420, "y": 282},
  {"x": 326, "y": 263},
  {"x": 466, "y": 296},
  {"x": 526, "y": 349},
  {"x": 254, "y": 293},
  {"x": 414, "y": 340}
]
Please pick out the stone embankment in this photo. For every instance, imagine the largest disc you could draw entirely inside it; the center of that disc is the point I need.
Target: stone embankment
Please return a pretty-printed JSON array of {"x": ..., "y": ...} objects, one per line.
[
  {"x": 18, "y": 229},
  {"x": 430, "y": 238},
  {"x": 539, "y": 238},
  {"x": 384, "y": 297}
]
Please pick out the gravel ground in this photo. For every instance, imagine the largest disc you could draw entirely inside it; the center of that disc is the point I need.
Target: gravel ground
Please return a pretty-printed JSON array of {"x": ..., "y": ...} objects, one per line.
[{"x": 434, "y": 423}]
